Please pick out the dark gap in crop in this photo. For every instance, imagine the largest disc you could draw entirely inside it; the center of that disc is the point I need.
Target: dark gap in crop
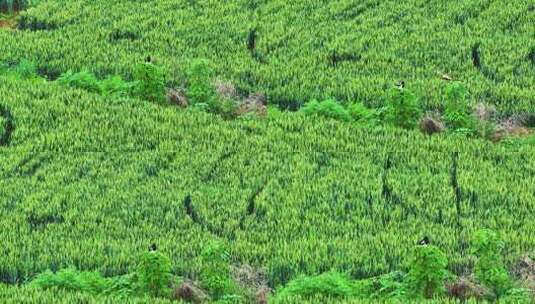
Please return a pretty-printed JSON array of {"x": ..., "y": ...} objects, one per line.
[
  {"x": 212, "y": 171},
  {"x": 190, "y": 211},
  {"x": 48, "y": 72},
  {"x": 321, "y": 160},
  {"x": 335, "y": 58},
  {"x": 31, "y": 167},
  {"x": 251, "y": 40},
  {"x": 355, "y": 10},
  {"x": 531, "y": 56},
  {"x": 8, "y": 126},
  {"x": 39, "y": 222},
  {"x": 8, "y": 277},
  {"x": 288, "y": 104},
  {"x": 12, "y": 6},
  {"x": 31, "y": 23},
  {"x": 121, "y": 34},
  {"x": 454, "y": 182},
  {"x": 476, "y": 58},
  {"x": 387, "y": 192},
  {"x": 22, "y": 163},
  {"x": 485, "y": 70},
  {"x": 252, "y": 209}
]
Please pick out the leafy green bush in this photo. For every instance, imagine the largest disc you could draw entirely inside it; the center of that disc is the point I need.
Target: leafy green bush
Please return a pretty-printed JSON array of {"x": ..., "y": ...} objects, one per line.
[
  {"x": 83, "y": 80},
  {"x": 154, "y": 274},
  {"x": 402, "y": 109},
  {"x": 215, "y": 273},
  {"x": 331, "y": 284},
  {"x": 149, "y": 82},
  {"x": 457, "y": 112},
  {"x": 71, "y": 279},
  {"x": 115, "y": 86},
  {"x": 201, "y": 92},
  {"x": 360, "y": 113},
  {"x": 427, "y": 272},
  {"x": 489, "y": 268},
  {"x": 327, "y": 108},
  {"x": 26, "y": 69},
  {"x": 199, "y": 77}
]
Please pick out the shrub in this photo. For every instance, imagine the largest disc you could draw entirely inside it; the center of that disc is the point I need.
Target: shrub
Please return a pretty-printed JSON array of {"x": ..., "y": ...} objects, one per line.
[
  {"x": 154, "y": 274},
  {"x": 328, "y": 108},
  {"x": 457, "y": 110},
  {"x": 200, "y": 88},
  {"x": 83, "y": 80},
  {"x": 26, "y": 69},
  {"x": 149, "y": 82},
  {"x": 332, "y": 284},
  {"x": 115, "y": 86},
  {"x": 215, "y": 273},
  {"x": 427, "y": 271},
  {"x": 489, "y": 268},
  {"x": 360, "y": 113},
  {"x": 402, "y": 109},
  {"x": 73, "y": 280}
]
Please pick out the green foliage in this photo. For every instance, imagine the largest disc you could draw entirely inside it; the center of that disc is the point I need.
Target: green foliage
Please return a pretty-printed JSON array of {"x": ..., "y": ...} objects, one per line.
[
  {"x": 427, "y": 271},
  {"x": 489, "y": 268},
  {"x": 154, "y": 274},
  {"x": 360, "y": 113},
  {"x": 115, "y": 86},
  {"x": 331, "y": 284},
  {"x": 215, "y": 271},
  {"x": 199, "y": 77},
  {"x": 83, "y": 80},
  {"x": 71, "y": 279},
  {"x": 26, "y": 69},
  {"x": 457, "y": 111},
  {"x": 402, "y": 109},
  {"x": 328, "y": 108},
  {"x": 149, "y": 82},
  {"x": 518, "y": 296},
  {"x": 201, "y": 93}
]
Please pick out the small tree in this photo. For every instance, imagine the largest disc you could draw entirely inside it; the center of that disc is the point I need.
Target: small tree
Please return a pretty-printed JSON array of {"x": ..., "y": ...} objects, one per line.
[
  {"x": 215, "y": 273},
  {"x": 199, "y": 76},
  {"x": 149, "y": 82},
  {"x": 154, "y": 274},
  {"x": 457, "y": 112},
  {"x": 489, "y": 268},
  {"x": 402, "y": 109},
  {"x": 427, "y": 271}
]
